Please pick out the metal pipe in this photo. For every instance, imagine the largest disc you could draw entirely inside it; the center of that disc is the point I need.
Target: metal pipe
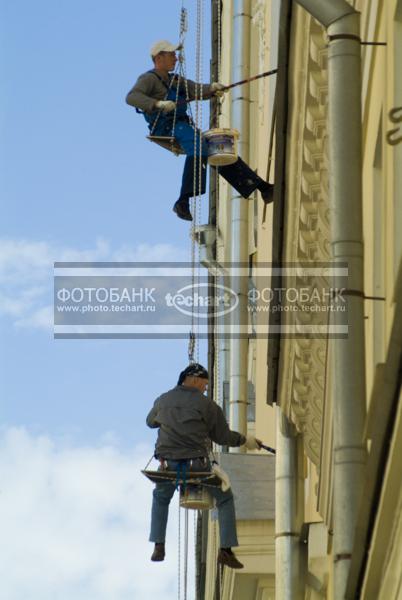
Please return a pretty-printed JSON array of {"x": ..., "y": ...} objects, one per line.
[
  {"x": 347, "y": 247},
  {"x": 289, "y": 506},
  {"x": 241, "y": 19},
  {"x": 345, "y": 190},
  {"x": 327, "y": 11}
]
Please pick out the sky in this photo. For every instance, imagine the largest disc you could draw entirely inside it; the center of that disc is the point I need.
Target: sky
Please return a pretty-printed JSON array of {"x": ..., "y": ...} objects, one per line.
[{"x": 79, "y": 182}]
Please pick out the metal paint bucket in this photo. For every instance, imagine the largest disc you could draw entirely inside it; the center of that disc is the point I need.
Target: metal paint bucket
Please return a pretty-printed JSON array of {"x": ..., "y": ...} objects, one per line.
[
  {"x": 195, "y": 498},
  {"x": 222, "y": 146}
]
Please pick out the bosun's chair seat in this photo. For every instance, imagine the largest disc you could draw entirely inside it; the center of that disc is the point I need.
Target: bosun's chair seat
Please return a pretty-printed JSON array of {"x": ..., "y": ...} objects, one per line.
[
  {"x": 167, "y": 142},
  {"x": 201, "y": 478}
]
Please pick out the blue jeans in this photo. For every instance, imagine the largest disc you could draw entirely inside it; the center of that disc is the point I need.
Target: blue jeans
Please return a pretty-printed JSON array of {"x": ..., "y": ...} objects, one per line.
[
  {"x": 184, "y": 134},
  {"x": 238, "y": 174},
  {"x": 163, "y": 494}
]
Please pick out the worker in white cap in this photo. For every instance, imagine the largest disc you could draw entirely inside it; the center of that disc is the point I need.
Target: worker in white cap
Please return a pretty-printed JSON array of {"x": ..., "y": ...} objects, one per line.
[{"x": 157, "y": 97}]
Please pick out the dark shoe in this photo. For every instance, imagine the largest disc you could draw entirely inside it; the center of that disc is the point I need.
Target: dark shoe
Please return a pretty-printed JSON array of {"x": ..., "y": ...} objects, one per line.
[
  {"x": 267, "y": 192},
  {"x": 226, "y": 557},
  {"x": 158, "y": 553},
  {"x": 182, "y": 209}
]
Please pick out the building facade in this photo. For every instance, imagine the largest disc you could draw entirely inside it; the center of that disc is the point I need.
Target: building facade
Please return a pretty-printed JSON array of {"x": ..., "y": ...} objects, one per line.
[{"x": 323, "y": 538}]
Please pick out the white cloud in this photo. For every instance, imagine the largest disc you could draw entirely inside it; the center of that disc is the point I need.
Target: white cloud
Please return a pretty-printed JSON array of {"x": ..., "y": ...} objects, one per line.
[
  {"x": 42, "y": 318},
  {"x": 26, "y": 271},
  {"x": 75, "y": 523}
]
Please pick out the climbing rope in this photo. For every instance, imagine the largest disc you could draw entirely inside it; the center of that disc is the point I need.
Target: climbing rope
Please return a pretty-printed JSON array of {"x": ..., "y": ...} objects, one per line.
[
  {"x": 200, "y": 20},
  {"x": 219, "y": 249},
  {"x": 178, "y": 75},
  {"x": 154, "y": 124},
  {"x": 218, "y": 387},
  {"x": 197, "y": 183},
  {"x": 196, "y": 210},
  {"x": 178, "y": 553},
  {"x": 219, "y": 258},
  {"x": 180, "y": 65},
  {"x": 185, "y": 569}
]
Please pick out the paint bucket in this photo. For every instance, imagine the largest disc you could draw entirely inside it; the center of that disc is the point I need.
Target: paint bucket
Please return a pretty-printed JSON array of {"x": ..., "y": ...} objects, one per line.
[
  {"x": 195, "y": 497},
  {"x": 222, "y": 146}
]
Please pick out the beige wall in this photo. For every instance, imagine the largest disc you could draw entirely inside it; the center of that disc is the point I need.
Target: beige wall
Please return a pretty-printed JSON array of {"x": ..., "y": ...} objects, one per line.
[
  {"x": 382, "y": 202},
  {"x": 382, "y": 214},
  {"x": 256, "y": 538},
  {"x": 382, "y": 185}
]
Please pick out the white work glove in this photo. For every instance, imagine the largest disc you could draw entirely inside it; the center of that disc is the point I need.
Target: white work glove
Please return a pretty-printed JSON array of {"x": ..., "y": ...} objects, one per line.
[
  {"x": 224, "y": 477},
  {"x": 218, "y": 88},
  {"x": 252, "y": 443},
  {"x": 165, "y": 106}
]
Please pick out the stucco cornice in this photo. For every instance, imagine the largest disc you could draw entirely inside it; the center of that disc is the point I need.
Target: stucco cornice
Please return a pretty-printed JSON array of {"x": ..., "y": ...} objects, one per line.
[{"x": 307, "y": 235}]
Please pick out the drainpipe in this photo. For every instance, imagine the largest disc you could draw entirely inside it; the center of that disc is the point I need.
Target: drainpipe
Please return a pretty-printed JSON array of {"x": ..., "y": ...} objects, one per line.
[
  {"x": 239, "y": 217},
  {"x": 289, "y": 506},
  {"x": 345, "y": 172}
]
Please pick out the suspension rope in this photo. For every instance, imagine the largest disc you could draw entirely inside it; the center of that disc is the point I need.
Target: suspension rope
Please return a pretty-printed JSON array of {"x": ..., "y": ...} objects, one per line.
[
  {"x": 220, "y": 320},
  {"x": 197, "y": 182},
  {"x": 181, "y": 61},
  {"x": 179, "y": 555},
  {"x": 219, "y": 257},
  {"x": 196, "y": 206},
  {"x": 196, "y": 517},
  {"x": 160, "y": 110},
  {"x": 199, "y": 155},
  {"x": 191, "y": 347},
  {"x": 196, "y": 209},
  {"x": 185, "y": 569},
  {"x": 178, "y": 74}
]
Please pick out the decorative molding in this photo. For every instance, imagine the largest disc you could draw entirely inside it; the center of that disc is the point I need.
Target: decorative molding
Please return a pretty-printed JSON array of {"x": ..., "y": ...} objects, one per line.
[{"x": 307, "y": 228}]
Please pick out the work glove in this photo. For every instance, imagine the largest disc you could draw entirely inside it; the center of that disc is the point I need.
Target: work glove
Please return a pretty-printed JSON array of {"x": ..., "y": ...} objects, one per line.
[
  {"x": 252, "y": 443},
  {"x": 165, "y": 106},
  {"x": 218, "y": 88},
  {"x": 223, "y": 476}
]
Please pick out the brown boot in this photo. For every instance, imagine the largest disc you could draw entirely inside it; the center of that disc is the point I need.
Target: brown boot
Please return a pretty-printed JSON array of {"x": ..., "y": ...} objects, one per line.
[
  {"x": 226, "y": 557},
  {"x": 158, "y": 553}
]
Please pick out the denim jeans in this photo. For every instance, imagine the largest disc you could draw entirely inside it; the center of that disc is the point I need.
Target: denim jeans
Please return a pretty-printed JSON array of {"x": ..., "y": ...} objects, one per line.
[
  {"x": 163, "y": 494},
  {"x": 239, "y": 175}
]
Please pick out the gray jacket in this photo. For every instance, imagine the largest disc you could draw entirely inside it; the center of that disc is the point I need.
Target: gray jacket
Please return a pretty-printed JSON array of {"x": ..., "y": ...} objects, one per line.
[
  {"x": 149, "y": 89},
  {"x": 187, "y": 421}
]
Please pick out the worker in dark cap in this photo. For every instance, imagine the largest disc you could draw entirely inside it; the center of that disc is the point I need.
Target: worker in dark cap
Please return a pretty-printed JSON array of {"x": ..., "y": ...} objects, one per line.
[
  {"x": 164, "y": 107},
  {"x": 188, "y": 421}
]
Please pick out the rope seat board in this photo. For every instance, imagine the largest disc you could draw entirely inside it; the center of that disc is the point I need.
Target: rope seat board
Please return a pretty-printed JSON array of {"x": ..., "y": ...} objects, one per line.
[
  {"x": 167, "y": 142},
  {"x": 200, "y": 478}
]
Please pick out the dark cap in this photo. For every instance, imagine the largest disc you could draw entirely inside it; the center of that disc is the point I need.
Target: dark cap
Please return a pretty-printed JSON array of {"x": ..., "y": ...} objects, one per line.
[{"x": 193, "y": 370}]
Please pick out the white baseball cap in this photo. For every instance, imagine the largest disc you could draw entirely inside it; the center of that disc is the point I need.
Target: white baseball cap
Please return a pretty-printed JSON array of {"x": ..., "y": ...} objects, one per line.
[{"x": 163, "y": 46}]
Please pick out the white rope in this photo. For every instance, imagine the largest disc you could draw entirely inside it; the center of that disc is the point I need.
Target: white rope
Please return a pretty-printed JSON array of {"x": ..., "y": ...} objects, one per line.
[
  {"x": 219, "y": 257},
  {"x": 179, "y": 556},
  {"x": 200, "y": 162},
  {"x": 160, "y": 110},
  {"x": 185, "y": 569},
  {"x": 181, "y": 60},
  {"x": 196, "y": 209},
  {"x": 146, "y": 466},
  {"x": 197, "y": 182}
]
